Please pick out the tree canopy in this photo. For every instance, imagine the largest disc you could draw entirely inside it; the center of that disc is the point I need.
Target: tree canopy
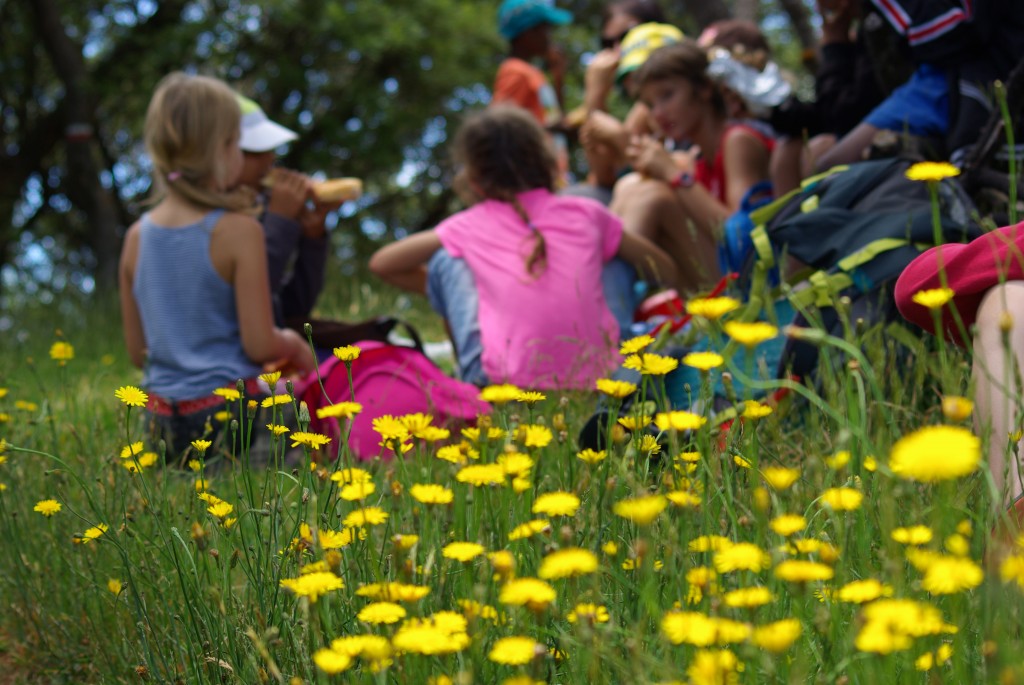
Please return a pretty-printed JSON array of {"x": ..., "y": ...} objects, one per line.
[{"x": 373, "y": 89}]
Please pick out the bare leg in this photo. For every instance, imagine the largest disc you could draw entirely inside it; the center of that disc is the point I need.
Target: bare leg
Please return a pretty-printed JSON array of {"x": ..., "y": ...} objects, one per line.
[
  {"x": 649, "y": 208},
  {"x": 997, "y": 360},
  {"x": 851, "y": 148}
]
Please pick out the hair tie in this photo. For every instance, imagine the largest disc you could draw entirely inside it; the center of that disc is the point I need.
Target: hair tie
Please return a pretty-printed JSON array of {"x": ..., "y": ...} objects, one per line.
[{"x": 173, "y": 176}]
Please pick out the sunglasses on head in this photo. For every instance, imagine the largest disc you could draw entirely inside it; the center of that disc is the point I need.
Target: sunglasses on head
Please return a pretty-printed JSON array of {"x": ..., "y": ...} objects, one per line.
[{"x": 608, "y": 42}]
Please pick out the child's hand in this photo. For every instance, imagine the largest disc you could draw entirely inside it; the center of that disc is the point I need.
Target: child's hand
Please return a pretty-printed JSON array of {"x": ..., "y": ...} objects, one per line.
[
  {"x": 650, "y": 158},
  {"x": 313, "y": 217},
  {"x": 289, "y": 194},
  {"x": 600, "y": 74}
]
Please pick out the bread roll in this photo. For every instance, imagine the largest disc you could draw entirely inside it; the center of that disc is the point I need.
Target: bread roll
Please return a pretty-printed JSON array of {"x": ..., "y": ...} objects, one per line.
[{"x": 338, "y": 189}]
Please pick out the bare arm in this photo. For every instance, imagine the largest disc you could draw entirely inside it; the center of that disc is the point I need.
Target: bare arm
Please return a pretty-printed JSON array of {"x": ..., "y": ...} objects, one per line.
[
  {"x": 261, "y": 341},
  {"x": 647, "y": 258},
  {"x": 403, "y": 263},
  {"x": 747, "y": 163},
  {"x": 131, "y": 321}
]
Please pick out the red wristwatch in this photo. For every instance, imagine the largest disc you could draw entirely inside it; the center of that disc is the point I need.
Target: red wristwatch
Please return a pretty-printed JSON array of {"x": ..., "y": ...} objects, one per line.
[{"x": 683, "y": 180}]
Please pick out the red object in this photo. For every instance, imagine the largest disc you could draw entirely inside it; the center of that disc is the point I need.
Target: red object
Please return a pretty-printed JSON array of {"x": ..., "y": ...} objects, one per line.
[
  {"x": 161, "y": 406},
  {"x": 670, "y": 305},
  {"x": 971, "y": 271}
]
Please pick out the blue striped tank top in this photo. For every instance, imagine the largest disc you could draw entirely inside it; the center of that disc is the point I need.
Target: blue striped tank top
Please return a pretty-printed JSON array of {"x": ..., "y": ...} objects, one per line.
[{"x": 188, "y": 313}]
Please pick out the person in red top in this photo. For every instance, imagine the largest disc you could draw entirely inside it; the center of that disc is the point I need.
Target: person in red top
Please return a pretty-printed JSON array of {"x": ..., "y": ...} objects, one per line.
[
  {"x": 680, "y": 201},
  {"x": 987, "y": 280}
]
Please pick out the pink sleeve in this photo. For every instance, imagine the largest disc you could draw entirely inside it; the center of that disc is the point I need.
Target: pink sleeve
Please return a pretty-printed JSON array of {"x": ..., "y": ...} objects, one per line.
[
  {"x": 611, "y": 234},
  {"x": 448, "y": 233}
]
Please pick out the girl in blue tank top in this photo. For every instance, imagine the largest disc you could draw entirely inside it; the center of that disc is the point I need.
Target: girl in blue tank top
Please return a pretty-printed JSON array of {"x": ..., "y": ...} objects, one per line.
[{"x": 195, "y": 299}]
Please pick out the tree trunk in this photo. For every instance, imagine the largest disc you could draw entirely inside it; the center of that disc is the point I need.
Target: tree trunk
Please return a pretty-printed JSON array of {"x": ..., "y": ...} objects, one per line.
[
  {"x": 747, "y": 9},
  {"x": 84, "y": 187},
  {"x": 706, "y": 12}
]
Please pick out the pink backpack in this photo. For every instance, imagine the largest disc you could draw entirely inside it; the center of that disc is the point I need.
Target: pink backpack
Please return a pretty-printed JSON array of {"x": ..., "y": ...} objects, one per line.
[{"x": 389, "y": 379}]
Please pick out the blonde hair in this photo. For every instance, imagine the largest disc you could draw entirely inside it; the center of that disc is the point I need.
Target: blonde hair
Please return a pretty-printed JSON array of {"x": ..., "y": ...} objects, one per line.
[{"x": 189, "y": 122}]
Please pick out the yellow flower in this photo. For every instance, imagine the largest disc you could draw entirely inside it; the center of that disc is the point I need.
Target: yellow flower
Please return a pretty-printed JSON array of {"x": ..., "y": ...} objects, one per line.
[
  {"x": 752, "y": 409},
  {"x": 634, "y": 345},
  {"x": 351, "y": 475},
  {"x": 838, "y": 460},
  {"x": 271, "y": 378},
  {"x": 934, "y": 298},
  {"x": 394, "y": 592},
  {"x": 92, "y": 533},
  {"x": 703, "y": 361},
  {"x": 741, "y": 461},
  {"x": 25, "y": 406},
  {"x": 590, "y": 456},
  {"x": 588, "y": 613},
  {"x": 931, "y": 171},
  {"x": 928, "y": 660},
  {"x": 47, "y": 507},
  {"x": 1012, "y": 570},
  {"x": 683, "y": 499},
  {"x": 862, "y": 591},
  {"x": 367, "y": 516},
  {"x": 531, "y": 397},
  {"x": 313, "y": 585},
  {"x": 277, "y": 429},
  {"x": 500, "y": 394},
  {"x": 390, "y": 428},
  {"x": 221, "y": 509},
  {"x": 275, "y": 400},
  {"x": 481, "y": 474},
  {"x": 713, "y": 667},
  {"x": 778, "y": 636},
  {"x": 381, "y": 612},
  {"x": 201, "y": 445},
  {"x": 712, "y": 308},
  {"x": 802, "y": 571},
  {"x": 62, "y": 352},
  {"x": 530, "y": 592},
  {"x": 651, "y": 364},
  {"x": 710, "y": 543},
  {"x": 913, "y": 535},
  {"x": 339, "y": 410},
  {"x": 679, "y": 421},
  {"x": 949, "y": 575},
  {"x": 780, "y": 477},
  {"x": 131, "y": 396},
  {"x": 936, "y": 453},
  {"x": 229, "y": 394},
  {"x": 428, "y": 639},
  {"x": 462, "y": 551},
  {"x": 641, "y": 510},
  {"x": 750, "y": 334},
  {"x": 331, "y": 662},
  {"x": 503, "y": 561},
  {"x": 366, "y": 646},
  {"x": 748, "y": 597},
  {"x": 115, "y": 586},
  {"x": 617, "y": 389},
  {"x": 787, "y": 524},
  {"x": 347, "y": 353},
  {"x": 556, "y": 504},
  {"x": 515, "y": 651},
  {"x": 566, "y": 563},
  {"x": 744, "y": 556},
  {"x": 535, "y": 436},
  {"x": 702, "y": 631},
  {"x": 357, "y": 491},
  {"x": 130, "y": 450},
  {"x": 311, "y": 440},
  {"x": 529, "y": 529},
  {"x": 956, "y": 408},
  {"x": 842, "y": 499},
  {"x": 431, "y": 494},
  {"x": 330, "y": 539}
]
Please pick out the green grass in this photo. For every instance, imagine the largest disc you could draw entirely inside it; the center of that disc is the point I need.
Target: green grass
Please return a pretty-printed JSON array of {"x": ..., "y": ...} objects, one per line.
[{"x": 199, "y": 602}]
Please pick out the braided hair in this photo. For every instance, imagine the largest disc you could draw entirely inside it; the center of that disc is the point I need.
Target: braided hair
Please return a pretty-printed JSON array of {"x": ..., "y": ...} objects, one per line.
[{"x": 506, "y": 152}]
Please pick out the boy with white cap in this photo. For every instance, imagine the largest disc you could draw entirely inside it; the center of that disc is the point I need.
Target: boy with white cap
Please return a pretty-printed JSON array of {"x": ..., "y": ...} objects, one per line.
[{"x": 293, "y": 219}]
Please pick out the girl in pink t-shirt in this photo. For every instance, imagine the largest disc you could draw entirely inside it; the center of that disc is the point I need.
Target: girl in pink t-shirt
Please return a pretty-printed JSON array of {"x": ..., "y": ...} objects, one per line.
[{"x": 518, "y": 276}]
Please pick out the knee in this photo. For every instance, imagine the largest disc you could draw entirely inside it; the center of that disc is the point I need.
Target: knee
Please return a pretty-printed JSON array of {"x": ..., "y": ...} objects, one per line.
[{"x": 1002, "y": 309}]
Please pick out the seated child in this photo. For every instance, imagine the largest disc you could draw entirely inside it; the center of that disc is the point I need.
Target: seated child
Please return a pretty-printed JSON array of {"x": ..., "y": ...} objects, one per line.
[
  {"x": 681, "y": 202},
  {"x": 195, "y": 299},
  {"x": 518, "y": 276}
]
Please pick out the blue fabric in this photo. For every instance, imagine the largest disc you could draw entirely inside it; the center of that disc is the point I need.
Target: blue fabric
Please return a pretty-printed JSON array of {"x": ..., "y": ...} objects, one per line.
[
  {"x": 452, "y": 293},
  {"x": 919, "y": 107},
  {"x": 737, "y": 245},
  {"x": 517, "y": 16},
  {"x": 189, "y": 316}
]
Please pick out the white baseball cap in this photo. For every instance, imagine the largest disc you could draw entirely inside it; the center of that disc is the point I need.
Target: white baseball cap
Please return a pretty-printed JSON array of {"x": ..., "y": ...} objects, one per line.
[{"x": 260, "y": 134}]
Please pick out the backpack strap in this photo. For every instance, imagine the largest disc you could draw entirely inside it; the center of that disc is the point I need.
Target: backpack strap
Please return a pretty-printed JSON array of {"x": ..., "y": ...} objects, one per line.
[{"x": 824, "y": 285}]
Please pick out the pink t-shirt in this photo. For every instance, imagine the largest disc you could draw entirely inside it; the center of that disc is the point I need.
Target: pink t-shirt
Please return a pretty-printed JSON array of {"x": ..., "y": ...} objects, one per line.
[{"x": 552, "y": 330}]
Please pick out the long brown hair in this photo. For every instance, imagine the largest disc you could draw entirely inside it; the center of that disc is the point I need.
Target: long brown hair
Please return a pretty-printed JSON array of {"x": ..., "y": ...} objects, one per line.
[
  {"x": 189, "y": 122},
  {"x": 506, "y": 152}
]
